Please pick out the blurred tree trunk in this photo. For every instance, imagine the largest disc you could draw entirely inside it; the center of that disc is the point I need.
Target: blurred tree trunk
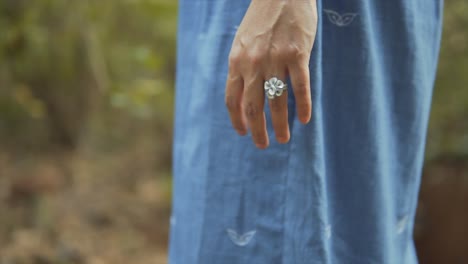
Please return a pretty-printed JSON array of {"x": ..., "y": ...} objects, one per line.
[
  {"x": 441, "y": 231},
  {"x": 62, "y": 73}
]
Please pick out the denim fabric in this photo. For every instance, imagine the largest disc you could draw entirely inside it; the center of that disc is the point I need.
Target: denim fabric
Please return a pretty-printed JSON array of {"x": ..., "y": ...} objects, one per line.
[{"x": 344, "y": 189}]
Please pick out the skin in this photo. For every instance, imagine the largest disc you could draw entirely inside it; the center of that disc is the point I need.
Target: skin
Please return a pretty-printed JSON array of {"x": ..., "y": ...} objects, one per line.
[{"x": 275, "y": 38}]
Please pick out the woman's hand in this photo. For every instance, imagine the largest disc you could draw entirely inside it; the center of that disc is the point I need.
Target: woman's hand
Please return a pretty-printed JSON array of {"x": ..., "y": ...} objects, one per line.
[{"x": 275, "y": 39}]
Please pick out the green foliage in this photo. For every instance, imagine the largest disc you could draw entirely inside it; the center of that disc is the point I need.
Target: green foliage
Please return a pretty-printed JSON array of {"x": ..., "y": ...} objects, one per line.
[
  {"x": 448, "y": 129},
  {"x": 64, "y": 59}
]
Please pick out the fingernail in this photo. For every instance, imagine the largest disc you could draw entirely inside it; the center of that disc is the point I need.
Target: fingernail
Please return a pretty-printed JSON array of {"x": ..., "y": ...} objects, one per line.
[
  {"x": 241, "y": 132},
  {"x": 260, "y": 146},
  {"x": 305, "y": 120}
]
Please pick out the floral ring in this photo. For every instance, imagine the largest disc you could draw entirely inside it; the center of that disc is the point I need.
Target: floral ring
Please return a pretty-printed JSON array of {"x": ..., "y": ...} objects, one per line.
[{"x": 274, "y": 87}]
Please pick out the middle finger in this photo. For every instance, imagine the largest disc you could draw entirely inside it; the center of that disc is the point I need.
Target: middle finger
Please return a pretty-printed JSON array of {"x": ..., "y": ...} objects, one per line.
[
  {"x": 253, "y": 101},
  {"x": 279, "y": 110}
]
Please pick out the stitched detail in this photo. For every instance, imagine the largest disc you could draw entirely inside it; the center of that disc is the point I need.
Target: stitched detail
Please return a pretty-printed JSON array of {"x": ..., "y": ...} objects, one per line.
[
  {"x": 402, "y": 223},
  {"x": 340, "y": 20},
  {"x": 240, "y": 240}
]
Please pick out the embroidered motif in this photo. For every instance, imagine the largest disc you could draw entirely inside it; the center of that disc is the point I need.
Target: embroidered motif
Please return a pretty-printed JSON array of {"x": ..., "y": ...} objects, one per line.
[
  {"x": 402, "y": 224},
  {"x": 340, "y": 20},
  {"x": 240, "y": 240}
]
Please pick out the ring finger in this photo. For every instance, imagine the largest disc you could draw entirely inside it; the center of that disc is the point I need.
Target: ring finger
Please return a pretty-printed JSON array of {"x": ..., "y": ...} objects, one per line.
[{"x": 279, "y": 109}]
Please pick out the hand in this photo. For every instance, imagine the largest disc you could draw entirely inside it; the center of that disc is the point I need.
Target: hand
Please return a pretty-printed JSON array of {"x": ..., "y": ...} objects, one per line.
[{"x": 275, "y": 39}]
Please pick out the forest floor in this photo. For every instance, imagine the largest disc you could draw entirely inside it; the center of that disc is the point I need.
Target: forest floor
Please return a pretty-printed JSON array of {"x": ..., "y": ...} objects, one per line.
[
  {"x": 83, "y": 208},
  {"x": 113, "y": 206}
]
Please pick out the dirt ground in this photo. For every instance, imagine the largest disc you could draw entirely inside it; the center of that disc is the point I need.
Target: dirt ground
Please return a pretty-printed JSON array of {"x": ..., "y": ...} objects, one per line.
[
  {"x": 83, "y": 208},
  {"x": 113, "y": 207}
]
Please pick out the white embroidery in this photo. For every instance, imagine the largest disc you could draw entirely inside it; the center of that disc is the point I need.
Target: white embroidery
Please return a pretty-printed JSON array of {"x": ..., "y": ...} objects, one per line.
[
  {"x": 240, "y": 240},
  {"x": 340, "y": 20},
  {"x": 401, "y": 225}
]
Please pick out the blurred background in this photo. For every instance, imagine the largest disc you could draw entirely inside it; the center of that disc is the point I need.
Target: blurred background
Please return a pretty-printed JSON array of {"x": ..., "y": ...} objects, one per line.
[{"x": 86, "y": 109}]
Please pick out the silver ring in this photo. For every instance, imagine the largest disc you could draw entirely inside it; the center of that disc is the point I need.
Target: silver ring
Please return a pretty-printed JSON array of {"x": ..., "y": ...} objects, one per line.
[{"x": 274, "y": 87}]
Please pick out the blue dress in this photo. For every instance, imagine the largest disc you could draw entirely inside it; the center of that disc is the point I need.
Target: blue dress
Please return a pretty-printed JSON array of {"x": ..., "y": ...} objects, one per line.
[{"x": 344, "y": 189}]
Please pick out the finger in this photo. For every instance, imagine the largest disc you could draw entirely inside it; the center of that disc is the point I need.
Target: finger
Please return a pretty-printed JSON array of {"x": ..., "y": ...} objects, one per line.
[
  {"x": 233, "y": 101},
  {"x": 279, "y": 112},
  {"x": 300, "y": 79},
  {"x": 253, "y": 103}
]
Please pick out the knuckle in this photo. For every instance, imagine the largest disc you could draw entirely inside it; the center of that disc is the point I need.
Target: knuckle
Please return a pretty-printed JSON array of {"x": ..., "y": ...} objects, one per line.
[
  {"x": 301, "y": 88},
  {"x": 255, "y": 58},
  {"x": 277, "y": 53},
  {"x": 251, "y": 110},
  {"x": 232, "y": 103},
  {"x": 302, "y": 57},
  {"x": 295, "y": 53},
  {"x": 292, "y": 49},
  {"x": 234, "y": 59}
]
